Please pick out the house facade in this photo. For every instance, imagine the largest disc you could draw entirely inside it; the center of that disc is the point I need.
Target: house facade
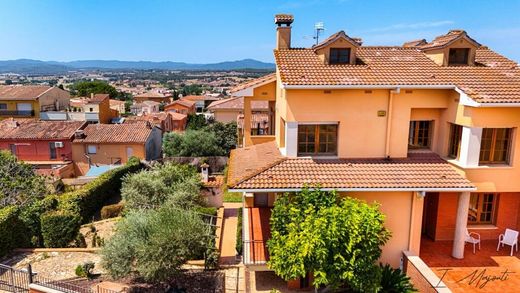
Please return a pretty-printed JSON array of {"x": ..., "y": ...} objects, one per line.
[
  {"x": 153, "y": 96},
  {"x": 427, "y": 130},
  {"x": 47, "y": 145},
  {"x": 114, "y": 144},
  {"x": 228, "y": 110},
  {"x": 185, "y": 107},
  {"x": 145, "y": 107},
  {"x": 29, "y": 101}
]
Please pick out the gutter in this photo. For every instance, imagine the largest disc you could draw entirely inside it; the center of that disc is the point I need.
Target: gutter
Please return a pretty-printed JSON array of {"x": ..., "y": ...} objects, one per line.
[{"x": 416, "y": 189}]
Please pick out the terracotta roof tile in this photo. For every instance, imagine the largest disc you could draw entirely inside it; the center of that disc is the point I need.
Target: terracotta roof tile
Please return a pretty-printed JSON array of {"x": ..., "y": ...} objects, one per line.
[
  {"x": 445, "y": 40},
  {"x": 186, "y": 103},
  {"x": 116, "y": 133},
  {"x": 415, "y": 43},
  {"x": 341, "y": 34},
  {"x": 22, "y": 92},
  {"x": 498, "y": 82},
  {"x": 214, "y": 181},
  {"x": 153, "y": 95},
  {"x": 98, "y": 98},
  {"x": 418, "y": 171},
  {"x": 254, "y": 82},
  {"x": 199, "y": 98},
  {"x": 238, "y": 103},
  {"x": 30, "y": 129}
]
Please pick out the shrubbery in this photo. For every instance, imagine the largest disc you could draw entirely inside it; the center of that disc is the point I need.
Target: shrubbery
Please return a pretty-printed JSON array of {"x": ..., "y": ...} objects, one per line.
[
  {"x": 12, "y": 230},
  {"x": 59, "y": 228},
  {"x": 112, "y": 211}
]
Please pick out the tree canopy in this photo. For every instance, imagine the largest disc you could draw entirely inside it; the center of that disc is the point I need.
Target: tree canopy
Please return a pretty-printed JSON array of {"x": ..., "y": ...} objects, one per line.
[
  {"x": 155, "y": 244},
  {"x": 337, "y": 239},
  {"x": 168, "y": 184},
  {"x": 85, "y": 88},
  {"x": 19, "y": 185}
]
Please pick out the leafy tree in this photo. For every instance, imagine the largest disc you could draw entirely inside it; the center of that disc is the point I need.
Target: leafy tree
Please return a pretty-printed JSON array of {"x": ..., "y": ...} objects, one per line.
[
  {"x": 169, "y": 184},
  {"x": 85, "y": 88},
  {"x": 196, "y": 122},
  {"x": 192, "y": 89},
  {"x": 192, "y": 143},
  {"x": 337, "y": 239},
  {"x": 226, "y": 134},
  {"x": 19, "y": 185},
  {"x": 155, "y": 244}
]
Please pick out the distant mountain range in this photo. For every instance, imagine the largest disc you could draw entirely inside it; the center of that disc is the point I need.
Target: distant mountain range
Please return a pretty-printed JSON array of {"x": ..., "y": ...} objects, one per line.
[{"x": 29, "y": 66}]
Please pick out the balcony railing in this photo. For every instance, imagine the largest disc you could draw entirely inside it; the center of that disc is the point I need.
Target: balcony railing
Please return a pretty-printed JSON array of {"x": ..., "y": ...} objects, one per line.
[
  {"x": 15, "y": 113},
  {"x": 255, "y": 252}
]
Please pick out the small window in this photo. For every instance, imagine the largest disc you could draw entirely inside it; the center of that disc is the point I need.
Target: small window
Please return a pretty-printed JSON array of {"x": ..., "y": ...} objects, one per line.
[
  {"x": 91, "y": 149},
  {"x": 3, "y": 106},
  {"x": 317, "y": 139},
  {"x": 455, "y": 138},
  {"x": 482, "y": 207},
  {"x": 339, "y": 56},
  {"x": 91, "y": 109},
  {"x": 495, "y": 145},
  {"x": 458, "y": 56},
  {"x": 420, "y": 134}
]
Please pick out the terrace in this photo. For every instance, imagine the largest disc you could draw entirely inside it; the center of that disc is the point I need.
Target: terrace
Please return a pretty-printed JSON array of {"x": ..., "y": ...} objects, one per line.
[{"x": 256, "y": 233}]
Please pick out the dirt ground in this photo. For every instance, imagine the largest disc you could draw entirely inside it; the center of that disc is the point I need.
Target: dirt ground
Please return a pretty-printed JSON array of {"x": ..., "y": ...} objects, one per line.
[
  {"x": 55, "y": 265},
  {"x": 103, "y": 229}
]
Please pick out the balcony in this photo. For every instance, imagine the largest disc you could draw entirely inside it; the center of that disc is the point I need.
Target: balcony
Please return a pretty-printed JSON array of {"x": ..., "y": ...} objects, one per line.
[
  {"x": 256, "y": 231},
  {"x": 17, "y": 113}
]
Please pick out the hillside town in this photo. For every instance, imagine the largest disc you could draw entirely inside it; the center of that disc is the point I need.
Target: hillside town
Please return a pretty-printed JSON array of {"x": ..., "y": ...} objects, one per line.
[{"x": 346, "y": 168}]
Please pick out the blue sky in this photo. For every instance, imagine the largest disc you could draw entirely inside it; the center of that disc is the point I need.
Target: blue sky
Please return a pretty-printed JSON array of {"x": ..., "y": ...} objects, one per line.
[{"x": 199, "y": 31}]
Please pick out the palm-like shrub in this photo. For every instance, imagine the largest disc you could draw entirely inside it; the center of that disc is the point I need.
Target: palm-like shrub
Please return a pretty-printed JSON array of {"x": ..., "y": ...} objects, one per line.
[{"x": 394, "y": 280}]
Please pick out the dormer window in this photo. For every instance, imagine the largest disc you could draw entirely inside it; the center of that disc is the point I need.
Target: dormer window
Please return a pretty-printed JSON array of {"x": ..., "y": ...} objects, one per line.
[
  {"x": 458, "y": 56},
  {"x": 339, "y": 56}
]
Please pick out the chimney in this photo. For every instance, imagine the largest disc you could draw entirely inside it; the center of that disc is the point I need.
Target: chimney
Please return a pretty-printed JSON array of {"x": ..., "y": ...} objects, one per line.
[
  {"x": 204, "y": 172},
  {"x": 80, "y": 134},
  {"x": 283, "y": 31},
  {"x": 91, "y": 95}
]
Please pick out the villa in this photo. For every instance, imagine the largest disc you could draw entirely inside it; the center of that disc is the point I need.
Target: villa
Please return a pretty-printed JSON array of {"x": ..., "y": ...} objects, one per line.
[{"x": 428, "y": 130}]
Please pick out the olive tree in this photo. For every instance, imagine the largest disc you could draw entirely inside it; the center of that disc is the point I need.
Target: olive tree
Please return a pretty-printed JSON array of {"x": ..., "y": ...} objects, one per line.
[
  {"x": 336, "y": 239},
  {"x": 154, "y": 244}
]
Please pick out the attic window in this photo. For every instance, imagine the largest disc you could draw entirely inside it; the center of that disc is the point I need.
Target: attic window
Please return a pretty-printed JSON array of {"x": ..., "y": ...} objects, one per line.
[
  {"x": 339, "y": 56},
  {"x": 458, "y": 56}
]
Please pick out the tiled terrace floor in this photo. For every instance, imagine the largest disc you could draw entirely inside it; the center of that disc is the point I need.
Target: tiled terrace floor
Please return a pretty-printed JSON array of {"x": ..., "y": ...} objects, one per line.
[
  {"x": 259, "y": 233},
  {"x": 471, "y": 273}
]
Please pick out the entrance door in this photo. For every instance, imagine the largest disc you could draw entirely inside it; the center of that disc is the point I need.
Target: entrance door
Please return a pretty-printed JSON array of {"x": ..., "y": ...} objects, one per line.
[
  {"x": 431, "y": 205},
  {"x": 52, "y": 150},
  {"x": 261, "y": 200}
]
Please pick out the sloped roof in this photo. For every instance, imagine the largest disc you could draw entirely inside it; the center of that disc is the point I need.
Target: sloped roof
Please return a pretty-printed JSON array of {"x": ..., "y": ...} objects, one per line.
[
  {"x": 254, "y": 82},
  {"x": 22, "y": 92},
  {"x": 98, "y": 98},
  {"x": 496, "y": 82},
  {"x": 237, "y": 103},
  {"x": 116, "y": 133},
  {"x": 199, "y": 98},
  {"x": 153, "y": 94},
  {"x": 31, "y": 129},
  {"x": 270, "y": 170},
  {"x": 445, "y": 40},
  {"x": 415, "y": 43},
  {"x": 185, "y": 103},
  {"x": 335, "y": 37}
]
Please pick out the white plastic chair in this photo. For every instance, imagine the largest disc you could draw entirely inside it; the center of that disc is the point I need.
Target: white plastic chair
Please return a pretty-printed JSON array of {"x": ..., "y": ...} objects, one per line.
[
  {"x": 509, "y": 238},
  {"x": 473, "y": 238}
]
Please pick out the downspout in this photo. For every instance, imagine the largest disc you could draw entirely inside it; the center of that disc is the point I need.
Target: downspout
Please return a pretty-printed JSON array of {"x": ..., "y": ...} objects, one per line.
[{"x": 389, "y": 119}]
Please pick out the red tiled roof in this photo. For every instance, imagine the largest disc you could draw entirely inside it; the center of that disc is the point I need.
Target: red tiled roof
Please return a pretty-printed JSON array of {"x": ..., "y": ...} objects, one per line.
[
  {"x": 198, "y": 98},
  {"x": 334, "y": 37},
  {"x": 153, "y": 95},
  {"x": 116, "y": 102},
  {"x": 98, "y": 98},
  {"x": 116, "y": 133},
  {"x": 186, "y": 103},
  {"x": 498, "y": 82},
  {"x": 283, "y": 18},
  {"x": 445, "y": 40},
  {"x": 214, "y": 181},
  {"x": 22, "y": 92},
  {"x": 254, "y": 82},
  {"x": 30, "y": 129},
  {"x": 177, "y": 116},
  {"x": 238, "y": 104},
  {"x": 418, "y": 171},
  {"x": 415, "y": 43}
]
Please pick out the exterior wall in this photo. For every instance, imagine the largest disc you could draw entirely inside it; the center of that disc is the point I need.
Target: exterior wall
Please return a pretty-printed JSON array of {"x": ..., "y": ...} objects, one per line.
[
  {"x": 179, "y": 125},
  {"x": 11, "y": 106},
  {"x": 266, "y": 92},
  {"x": 404, "y": 222},
  {"x": 507, "y": 216},
  {"x": 55, "y": 96},
  {"x": 106, "y": 153},
  {"x": 226, "y": 115},
  {"x": 153, "y": 146},
  {"x": 356, "y": 112},
  {"x": 179, "y": 108},
  {"x": 441, "y": 56},
  {"x": 323, "y": 53},
  {"x": 104, "y": 112},
  {"x": 39, "y": 150}
]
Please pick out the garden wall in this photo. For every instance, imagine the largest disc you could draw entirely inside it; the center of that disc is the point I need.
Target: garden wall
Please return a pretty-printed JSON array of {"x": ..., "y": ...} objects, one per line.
[{"x": 421, "y": 276}]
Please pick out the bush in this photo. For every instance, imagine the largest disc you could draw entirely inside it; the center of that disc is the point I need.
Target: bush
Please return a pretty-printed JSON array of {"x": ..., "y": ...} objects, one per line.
[
  {"x": 30, "y": 215},
  {"x": 192, "y": 143},
  {"x": 91, "y": 197},
  {"x": 112, "y": 211},
  {"x": 12, "y": 230},
  {"x": 206, "y": 210},
  {"x": 394, "y": 280},
  {"x": 239, "y": 245},
  {"x": 59, "y": 228},
  {"x": 85, "y": 270}
]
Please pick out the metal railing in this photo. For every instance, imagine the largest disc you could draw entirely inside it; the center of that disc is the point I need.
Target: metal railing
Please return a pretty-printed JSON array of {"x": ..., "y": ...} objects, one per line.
[
  {"x": 13, "y": 280},
  {"x": 255, "y": 252},
  {"x": 16, "y": 112}
]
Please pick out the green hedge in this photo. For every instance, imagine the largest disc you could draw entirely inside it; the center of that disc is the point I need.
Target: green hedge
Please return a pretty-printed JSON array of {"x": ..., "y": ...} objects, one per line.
[
  {"x": 59, "y": 228},
  {"x": 12, "y": 230},
  {"x": 91, "y": 197},
  {"x": 112, "y": 211},
  {"x": 30, "y": 216},
  {"x": 239, "y": 243}
]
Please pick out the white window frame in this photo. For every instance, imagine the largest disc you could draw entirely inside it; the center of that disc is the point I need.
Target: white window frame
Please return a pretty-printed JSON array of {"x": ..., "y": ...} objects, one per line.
[{"x": 91, "y": 147}]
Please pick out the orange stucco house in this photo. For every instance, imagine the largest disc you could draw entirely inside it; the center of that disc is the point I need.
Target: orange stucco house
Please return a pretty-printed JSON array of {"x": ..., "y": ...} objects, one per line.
[{"x": 428, "y": 130}]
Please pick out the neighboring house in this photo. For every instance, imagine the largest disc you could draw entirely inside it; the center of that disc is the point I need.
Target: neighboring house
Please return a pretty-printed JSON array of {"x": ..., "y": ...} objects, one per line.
[
  {"x": 94, "y": 109},
  {"x": 166, "y": 121},
  {"x": 118, "y": 106},
  {"x": 30, "y": 100},
  {"x": 228, "y": 110},
  {"x": 114, "y": 144},
  {"x": 201, "y": 102},
  {"x": 181, "y": 106},
  {"x": 47, "y": 145},
  {"x": 153, "y": 96},
  {"x": 145, "y": 107},
  {"x": 428, "y": 131}
]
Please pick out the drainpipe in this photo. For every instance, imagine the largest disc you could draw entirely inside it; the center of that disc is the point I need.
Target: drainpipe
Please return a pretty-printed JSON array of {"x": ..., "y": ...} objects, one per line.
[{"x": 389, "y": 120}]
